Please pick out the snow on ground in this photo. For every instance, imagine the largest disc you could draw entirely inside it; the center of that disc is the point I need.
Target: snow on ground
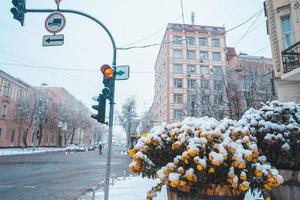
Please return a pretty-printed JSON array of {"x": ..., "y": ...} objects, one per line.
[
  {"x": 29, "y": 150},
  {"x": 135, "y": 188}
]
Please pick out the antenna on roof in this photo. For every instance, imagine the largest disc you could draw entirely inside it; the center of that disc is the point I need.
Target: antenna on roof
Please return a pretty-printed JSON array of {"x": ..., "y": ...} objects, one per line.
[{"x": 193, "y": 17}]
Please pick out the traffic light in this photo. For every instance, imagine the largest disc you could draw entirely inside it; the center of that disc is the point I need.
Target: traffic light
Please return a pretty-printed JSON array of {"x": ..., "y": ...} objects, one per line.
[
  {"x": 108, "y": 80},
  {"x": 18, "y": 10},
  {"x": 100, "y": 116}
]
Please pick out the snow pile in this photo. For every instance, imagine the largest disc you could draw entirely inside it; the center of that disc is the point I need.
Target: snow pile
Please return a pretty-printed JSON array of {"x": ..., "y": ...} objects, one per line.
[{"x": 29, "y": 150}]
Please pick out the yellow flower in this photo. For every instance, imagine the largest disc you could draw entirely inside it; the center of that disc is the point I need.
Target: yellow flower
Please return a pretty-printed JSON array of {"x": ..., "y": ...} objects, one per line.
[
  {"x": 192, "y": 177},
  {"x": 248, "y": 158},
  {"x": 192, "y": 152},
  {"x": 268, "y": 198},
  {"x": 180, "y": 170},
  {"x": 244, "y": 186},
  {"x": 174, "y": 183},
  {"x": 243, "y": 178},
  {"x": 176, "y": 145},
  {"x": 211, "y": 170},
  {"x": 258, "y": 172},
  {"x": 136, "y": 168},
  {"x": 145, "y": 148},
  {"x": 183, "y": 186},
  {"x": 231, "y": 149},
  {"x": 215, "y": 163},
  {"x": 242, "y": 165},
  {"x": 200, "y": 167},
  {"x": 267, "y": 187}
]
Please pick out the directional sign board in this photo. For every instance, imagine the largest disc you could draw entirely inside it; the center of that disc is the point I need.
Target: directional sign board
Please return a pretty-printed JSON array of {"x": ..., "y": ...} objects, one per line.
[
  {"x": 55, "y": 22},
  {"x": 122, "y": 72},
  {"x": 53, "y": 40}
]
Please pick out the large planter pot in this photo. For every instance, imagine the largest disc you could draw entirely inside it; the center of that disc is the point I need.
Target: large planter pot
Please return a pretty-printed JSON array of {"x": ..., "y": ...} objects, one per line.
[
  {"x": 215, "y": 193},
  {"x": 290, "y": 190}
]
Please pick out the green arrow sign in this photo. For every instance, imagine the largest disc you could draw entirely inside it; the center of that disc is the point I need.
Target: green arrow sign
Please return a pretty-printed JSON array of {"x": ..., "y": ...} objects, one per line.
[{"x": 122, "y": 72}]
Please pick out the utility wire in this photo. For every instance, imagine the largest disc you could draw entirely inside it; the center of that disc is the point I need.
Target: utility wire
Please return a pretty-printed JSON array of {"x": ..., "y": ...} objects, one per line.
[
  {"x": 64, "y": 68},
  {"x": 149, "y": 36},
  {"x": 213, "y": 35},
  {"x": 248, "y": 30}
]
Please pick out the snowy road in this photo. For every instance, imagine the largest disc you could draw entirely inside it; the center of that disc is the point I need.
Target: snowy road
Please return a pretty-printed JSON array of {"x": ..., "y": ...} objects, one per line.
[{"x": 55, "y": 175}]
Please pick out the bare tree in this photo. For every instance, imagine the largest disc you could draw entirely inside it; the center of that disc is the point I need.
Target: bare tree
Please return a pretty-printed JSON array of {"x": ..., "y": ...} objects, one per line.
[
  {"x": 128, "y": 118},
  {"x": 145, "y": 124}
]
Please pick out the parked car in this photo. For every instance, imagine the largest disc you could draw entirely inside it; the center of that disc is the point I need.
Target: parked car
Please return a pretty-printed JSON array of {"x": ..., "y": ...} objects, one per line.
[
  {"x": 82, "y": 148},
  {"x": 91, "y": 147},
  {"x": 71, "y": 147}
]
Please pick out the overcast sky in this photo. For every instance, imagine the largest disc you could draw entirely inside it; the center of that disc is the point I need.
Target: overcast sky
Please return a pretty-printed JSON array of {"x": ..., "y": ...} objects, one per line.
[{"x": 88, "y": 47}]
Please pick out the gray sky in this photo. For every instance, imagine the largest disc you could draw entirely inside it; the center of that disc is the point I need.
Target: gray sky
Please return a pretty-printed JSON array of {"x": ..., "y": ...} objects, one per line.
[{"x": 88, "y": 47}]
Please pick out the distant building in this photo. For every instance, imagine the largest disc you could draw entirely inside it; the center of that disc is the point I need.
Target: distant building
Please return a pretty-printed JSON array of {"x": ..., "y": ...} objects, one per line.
[
  {"x": 283, "y": 25},
  {"x": 35, "y": 115},
  {"x": 190, "y": 57}
]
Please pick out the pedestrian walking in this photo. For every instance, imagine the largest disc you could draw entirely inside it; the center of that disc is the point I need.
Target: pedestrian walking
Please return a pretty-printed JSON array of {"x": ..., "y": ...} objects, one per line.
[{"x": 100, "y": 149}]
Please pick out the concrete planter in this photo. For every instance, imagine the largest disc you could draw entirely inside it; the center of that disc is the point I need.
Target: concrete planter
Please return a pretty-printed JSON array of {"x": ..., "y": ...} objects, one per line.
[
  {"x": 290, "y": 190},
  {"x": 217, "y": 192}
]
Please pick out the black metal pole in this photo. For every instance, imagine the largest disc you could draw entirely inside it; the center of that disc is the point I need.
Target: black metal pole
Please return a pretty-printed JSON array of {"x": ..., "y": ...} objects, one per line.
[{"x": 111, "y": 111}]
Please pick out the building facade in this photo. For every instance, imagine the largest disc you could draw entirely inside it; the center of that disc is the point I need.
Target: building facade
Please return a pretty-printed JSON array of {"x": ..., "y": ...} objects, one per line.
[
  {"x": 41, "y": 116},
  {"x": 283, "y": 25},
  {"x": 191, "y": 57}
]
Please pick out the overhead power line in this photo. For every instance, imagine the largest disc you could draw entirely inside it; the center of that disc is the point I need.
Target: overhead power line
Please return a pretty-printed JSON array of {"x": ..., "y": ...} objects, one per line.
[{"x": 213, "y": 35}]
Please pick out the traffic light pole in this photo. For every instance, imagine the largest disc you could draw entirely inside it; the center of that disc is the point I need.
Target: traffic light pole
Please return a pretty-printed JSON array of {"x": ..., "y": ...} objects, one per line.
[{"x": 111, "y": 110}]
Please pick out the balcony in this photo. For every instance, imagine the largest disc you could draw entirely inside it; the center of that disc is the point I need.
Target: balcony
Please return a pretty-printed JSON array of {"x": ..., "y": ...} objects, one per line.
[{"x": 291, "y": 58}]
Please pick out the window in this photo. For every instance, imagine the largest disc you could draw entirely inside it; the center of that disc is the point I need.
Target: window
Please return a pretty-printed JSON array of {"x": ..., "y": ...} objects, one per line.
[
  {"x": 203, "y": 41},
  {"x": 12, "y": 138},
  {"x": 177, "y": 40},
  {"x": 203, "y": 55},
  {"x": 0, "y": 135},
  {"x": 216, "y": 43},
  {"x": 177, "y": 98},
  {"x": 4, "y": 111},
  {"x": 178, "y": 115},
  {"x": 218, "y": 85},
  {"x": 191, "y": 84},
  {"x": 217, "y": 70},
  {"x": 216, "y": 56},
  {"x": 7, "y": 89},
  {"x": 191, "y": 55},
  {"x": 286, "y": 30},
  {"x": 191, "y": 69},
  {"x": 177, "y": 54},
  {"x": 190, "y": 40},
  {"x": 218, "y": 99},
  {"x": 205, "y": 99},
  {"x": 203, "y": 70},
  {"x": 177, "y": 68},
  {"x": 205, "y": 84},
  {"x": 178, "y": 83}
]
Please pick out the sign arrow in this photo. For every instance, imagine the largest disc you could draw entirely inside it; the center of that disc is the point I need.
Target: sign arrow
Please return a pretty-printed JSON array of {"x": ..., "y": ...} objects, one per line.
[
  {"x": 54, "y": 40},
  {"x": 120, "y": 73}
]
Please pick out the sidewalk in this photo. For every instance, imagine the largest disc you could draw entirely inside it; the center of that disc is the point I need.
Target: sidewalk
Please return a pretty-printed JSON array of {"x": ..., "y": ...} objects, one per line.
[
  {"x": 28, "y": 150},
  {"x": 136, "y": 188}
]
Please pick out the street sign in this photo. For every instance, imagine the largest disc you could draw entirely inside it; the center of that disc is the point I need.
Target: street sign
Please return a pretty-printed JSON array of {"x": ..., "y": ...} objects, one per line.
[
  {"x": 55, "y": 22},
  {"x": 57, "y": 2},
  {"x": 53, "y": 40},
  {"x": 122, "y": 72}
]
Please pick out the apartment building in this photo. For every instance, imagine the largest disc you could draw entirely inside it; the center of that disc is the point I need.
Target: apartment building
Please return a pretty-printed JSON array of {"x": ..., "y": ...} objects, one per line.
[
  {"x": 12, "y": 91},
  {"x": 283, "y": 25},
  {"x": 190, "y": 57}
]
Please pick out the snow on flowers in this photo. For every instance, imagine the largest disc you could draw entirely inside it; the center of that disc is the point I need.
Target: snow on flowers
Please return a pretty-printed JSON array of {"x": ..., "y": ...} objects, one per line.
[{"x": 198, "y": 153}]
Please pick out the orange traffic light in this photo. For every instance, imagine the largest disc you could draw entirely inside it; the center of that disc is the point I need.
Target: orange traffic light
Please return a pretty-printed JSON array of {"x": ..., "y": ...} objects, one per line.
[{"x": 107, "y": 71}]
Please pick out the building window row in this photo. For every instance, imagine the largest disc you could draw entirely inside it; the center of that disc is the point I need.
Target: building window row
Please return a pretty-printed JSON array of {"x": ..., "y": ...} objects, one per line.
[
  {"x": 191, "y": 55},
  {"x": 204, "y": 70},
  {"x": 203, "y": 41},
  {"x": 204, "y": 84}
]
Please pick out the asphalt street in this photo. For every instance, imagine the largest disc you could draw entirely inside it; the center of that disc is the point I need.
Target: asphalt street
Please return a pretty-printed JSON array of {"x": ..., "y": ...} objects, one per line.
[{"x": 56, "y": 175}]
